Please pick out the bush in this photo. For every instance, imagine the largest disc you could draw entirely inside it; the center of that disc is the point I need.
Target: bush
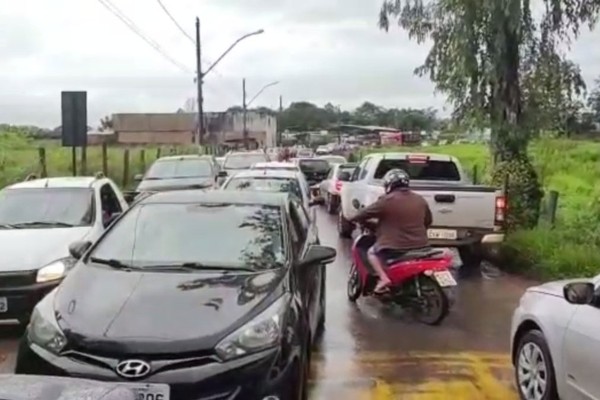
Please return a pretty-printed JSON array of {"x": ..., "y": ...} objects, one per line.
[{"x": 572, "y": 168}]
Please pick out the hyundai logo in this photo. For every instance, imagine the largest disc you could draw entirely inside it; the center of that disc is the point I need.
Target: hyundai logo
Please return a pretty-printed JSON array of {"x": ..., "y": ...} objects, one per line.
[{"x": 133, "y": 369}]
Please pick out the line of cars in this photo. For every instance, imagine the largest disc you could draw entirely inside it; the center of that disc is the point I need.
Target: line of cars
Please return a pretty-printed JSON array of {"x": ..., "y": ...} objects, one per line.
[{"x": 186, "y": 293}]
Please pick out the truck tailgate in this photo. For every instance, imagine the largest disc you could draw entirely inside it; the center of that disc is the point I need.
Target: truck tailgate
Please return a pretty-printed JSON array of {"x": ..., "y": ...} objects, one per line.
[{"x": 460, "y": 206}]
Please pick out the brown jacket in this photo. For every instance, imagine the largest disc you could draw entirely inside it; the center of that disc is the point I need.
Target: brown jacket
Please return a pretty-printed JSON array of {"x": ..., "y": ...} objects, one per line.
[{"x": 403, "y": 218}]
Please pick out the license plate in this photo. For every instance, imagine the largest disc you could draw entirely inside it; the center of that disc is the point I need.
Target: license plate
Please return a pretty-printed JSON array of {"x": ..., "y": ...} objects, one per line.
[
  {"x": 447, "y": 234},
  {"x": 3, "y": 304},
  {"x": 151, "y": 391},
  {"x": 444, "y": 278}
]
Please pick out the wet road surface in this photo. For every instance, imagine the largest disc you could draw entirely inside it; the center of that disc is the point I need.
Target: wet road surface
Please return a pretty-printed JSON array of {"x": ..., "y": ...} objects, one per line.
[{"x": 371, "y": 352}]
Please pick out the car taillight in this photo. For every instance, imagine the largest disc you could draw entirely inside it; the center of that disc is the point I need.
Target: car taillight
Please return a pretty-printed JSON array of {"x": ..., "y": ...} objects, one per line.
[
  {"x": 500, "y": 211},
  {"x": 338, "y": 185}
]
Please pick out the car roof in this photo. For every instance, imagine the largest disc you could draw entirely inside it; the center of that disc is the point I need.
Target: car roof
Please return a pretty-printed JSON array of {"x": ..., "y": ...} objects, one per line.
[
  {"x": 401, "y": 156},
  {"x": 274, "y": 164},
  {"x": 82, "y": 182},
  {"x": 184, "y": 157},
  {"x": 274, "y": 173},
  {"x": 241, "y": 197}
]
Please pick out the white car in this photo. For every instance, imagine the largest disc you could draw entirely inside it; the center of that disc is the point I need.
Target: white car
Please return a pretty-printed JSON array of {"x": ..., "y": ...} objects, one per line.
[
  {"x": 272, "y": 181},
  {"x": 555, "y": 338},
  {"x": 333, "y": 159},
  {"x": 276, "y": 165},
  {"x": 240, "y": 160},
  {"x": 331, "y": 186}
]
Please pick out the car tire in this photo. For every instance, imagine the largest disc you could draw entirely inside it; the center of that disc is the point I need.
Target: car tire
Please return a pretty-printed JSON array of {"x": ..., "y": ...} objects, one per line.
[
  {"x": 533, "y": 345},
  {"x": 344, "y": 226}
]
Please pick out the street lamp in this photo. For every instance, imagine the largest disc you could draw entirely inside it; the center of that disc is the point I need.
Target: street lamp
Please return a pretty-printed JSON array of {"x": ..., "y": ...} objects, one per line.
[
  {"x": 200, "y": 75},
  {"x": 246, "y": 104}
]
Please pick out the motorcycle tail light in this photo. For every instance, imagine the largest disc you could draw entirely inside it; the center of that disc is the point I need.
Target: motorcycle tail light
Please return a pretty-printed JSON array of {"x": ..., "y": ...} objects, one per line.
[{"x": 338, "y": 185}]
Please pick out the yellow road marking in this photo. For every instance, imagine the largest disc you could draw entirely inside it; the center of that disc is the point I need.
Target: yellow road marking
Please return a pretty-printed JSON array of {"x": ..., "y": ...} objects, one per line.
[{"x": 416, "y": 376}]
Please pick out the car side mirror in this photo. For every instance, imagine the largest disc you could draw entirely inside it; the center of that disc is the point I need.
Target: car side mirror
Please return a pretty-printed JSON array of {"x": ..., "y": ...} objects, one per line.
[
  {"x": 111, "y": 219},
  {"x": 78, "y": 249},
  {"x": 356, "y": 204},
  {"x": 222, "y": 174},
  {"x": 138, "y": 177},
  {"x": 579, "y": 292},
  {"x": 318, "y": 254},
  {"x": 344, "y": 176}
]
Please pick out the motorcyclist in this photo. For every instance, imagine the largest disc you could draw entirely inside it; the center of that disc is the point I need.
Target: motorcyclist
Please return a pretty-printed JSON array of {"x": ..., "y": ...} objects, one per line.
[{"x": 403, "y": 217}]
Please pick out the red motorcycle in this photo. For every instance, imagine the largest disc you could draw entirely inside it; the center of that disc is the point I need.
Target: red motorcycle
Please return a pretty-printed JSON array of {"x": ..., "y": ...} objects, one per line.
[{"x": 422, "y": 281}]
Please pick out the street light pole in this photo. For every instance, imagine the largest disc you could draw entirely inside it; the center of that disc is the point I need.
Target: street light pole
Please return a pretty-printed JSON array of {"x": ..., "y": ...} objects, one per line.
[
  {"x": 200, "y": 75},
  {"x": 245, "y": 107},
  {"x": 199, "y": 78}
]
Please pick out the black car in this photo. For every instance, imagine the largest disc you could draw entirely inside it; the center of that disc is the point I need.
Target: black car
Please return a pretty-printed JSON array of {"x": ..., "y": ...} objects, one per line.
[
  {"x": 315, "y": 169},
  {"x": 189, "y": 295},
  {"x": 179, "y": 172}
]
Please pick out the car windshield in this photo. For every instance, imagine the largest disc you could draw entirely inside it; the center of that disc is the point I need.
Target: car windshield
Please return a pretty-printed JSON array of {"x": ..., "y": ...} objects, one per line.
[
  {"x": 243, "y": 160},
  {"x": 266, "y": 184},
  {"x": 425, "y": 171},
  {"x": 179, "y": 168},
  {"x": 314, "y": 165},
  {"x": 213, "y": 235},
  {"x": 47, "y": 207},
  {"x": 334, "y": 159}
]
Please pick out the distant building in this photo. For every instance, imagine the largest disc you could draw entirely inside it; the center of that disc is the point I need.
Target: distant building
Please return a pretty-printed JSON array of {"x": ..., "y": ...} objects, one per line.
[{"x": 222, "y": 128}]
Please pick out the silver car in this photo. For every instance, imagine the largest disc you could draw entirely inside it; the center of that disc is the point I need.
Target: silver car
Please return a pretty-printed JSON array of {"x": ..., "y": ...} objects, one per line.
[{"x": 555, "y": 340}]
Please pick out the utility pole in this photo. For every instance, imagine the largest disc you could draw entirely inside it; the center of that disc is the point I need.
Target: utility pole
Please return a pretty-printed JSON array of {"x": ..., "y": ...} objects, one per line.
[
  {"x": 199, "y": 82},
  {"x": 244, "y": 108},
  {"x": 278, "y": 144}
]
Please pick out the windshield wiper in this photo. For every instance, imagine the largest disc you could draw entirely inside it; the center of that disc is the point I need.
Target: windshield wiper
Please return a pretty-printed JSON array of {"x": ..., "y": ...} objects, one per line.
[
  {"x": 194, "y": 266},
  {"x": 116, "y": 264},
  {"x": 8, "y": 226},
  {"x": 43, "y": 223}
]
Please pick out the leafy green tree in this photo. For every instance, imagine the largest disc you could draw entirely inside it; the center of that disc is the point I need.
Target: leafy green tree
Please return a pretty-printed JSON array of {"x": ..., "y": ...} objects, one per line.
[{"x": 496, "y": 63}]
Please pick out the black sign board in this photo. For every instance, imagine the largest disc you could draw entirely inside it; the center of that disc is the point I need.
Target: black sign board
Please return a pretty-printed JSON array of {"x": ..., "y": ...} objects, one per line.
[{"x": 74, "y": 119}]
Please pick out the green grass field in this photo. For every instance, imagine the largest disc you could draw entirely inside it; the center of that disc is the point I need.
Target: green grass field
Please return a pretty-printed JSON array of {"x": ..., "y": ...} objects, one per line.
[{"x": 571, "y": 247}]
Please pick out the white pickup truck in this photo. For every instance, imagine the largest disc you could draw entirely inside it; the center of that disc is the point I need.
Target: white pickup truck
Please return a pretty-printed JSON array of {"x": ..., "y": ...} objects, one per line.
[{"x": 466, "y": 216}]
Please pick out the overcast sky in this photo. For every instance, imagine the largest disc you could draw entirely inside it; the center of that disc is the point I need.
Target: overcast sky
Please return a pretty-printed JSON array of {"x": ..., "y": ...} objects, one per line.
[{"x": 319, "y": 50}]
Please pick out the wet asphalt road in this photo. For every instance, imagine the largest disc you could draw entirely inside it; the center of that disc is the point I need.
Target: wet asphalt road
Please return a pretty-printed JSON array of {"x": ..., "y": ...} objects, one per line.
[{"x": 373, "y": 353}]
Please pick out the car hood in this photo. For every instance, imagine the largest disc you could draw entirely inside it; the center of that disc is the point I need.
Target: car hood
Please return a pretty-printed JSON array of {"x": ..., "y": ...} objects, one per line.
[
  {"x": 554, "y": 288},
  {"x": 174, "y": 184},
  {"x": 158, "y": 312},
  {"x": 31, "y": 387},
  {"x": 29, "y": 249}
]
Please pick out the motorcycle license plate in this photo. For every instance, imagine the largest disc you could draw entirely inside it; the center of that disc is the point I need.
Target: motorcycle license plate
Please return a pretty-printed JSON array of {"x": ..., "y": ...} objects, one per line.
[{"x": 444, "y": 278}]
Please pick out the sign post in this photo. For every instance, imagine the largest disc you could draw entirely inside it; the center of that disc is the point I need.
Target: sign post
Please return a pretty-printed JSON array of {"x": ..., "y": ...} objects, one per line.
[{"x": 74, "y": 123}]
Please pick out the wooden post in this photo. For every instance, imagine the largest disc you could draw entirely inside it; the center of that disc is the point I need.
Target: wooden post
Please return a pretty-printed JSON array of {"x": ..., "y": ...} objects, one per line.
[
  {"x": 475, "y": 177},
  {"x": 105, "y": 159},
  {"x": 43, "y": 167},
  {"x": 83, "y": 160},
  {"x": 158, "y": 151},
  {"x": 552, "y": 206},
  {"x": 125, "y": 167},
  {"x": 143, "y": 160}
]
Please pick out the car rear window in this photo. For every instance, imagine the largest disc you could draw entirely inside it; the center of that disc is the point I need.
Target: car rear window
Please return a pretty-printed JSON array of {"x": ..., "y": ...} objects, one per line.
[
  {"x": 243, "y": 160},
  {"x": 183, "y": 168},
  {"x": 345, "y": 168},
  {"x": 218, "y": 235},
  {"x": 267, "y": 184},
  {"x": 313, "y": 165},
  {"x": 425, "y": 171}
]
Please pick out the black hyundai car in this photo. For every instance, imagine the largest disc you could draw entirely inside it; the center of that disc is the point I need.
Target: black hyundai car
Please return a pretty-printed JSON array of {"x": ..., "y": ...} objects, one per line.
[{"x": 189, "y": 295}]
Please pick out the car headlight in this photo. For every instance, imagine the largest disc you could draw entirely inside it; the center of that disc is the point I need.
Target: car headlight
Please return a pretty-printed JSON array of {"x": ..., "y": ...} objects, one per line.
[
  {"x": 55, "y": 270},
  {"x": 262, "y": 332},
  {"x": 44, "y": 330}
]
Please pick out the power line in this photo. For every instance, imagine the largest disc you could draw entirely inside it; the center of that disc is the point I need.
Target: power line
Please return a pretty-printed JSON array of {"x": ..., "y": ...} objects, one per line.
[
  {"x": 175, "y": 22},
  {"x": 134, "y": 28}
]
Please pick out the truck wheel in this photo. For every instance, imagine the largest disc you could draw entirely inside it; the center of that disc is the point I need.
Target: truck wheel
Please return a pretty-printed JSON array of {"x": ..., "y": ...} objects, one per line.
[{"x": 345, "y": 227}]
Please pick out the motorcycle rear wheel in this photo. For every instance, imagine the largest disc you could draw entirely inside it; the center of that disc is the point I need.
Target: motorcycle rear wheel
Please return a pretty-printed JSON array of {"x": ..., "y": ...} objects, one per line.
[
  {"x": 432, "y": 306},
  {"x": 354, "y": 287}
]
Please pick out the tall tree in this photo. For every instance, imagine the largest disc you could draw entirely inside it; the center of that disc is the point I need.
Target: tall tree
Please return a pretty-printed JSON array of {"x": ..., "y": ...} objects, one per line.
[
  {"x": 594, "y": 101},
  {"x": 495, "y": 62}
]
